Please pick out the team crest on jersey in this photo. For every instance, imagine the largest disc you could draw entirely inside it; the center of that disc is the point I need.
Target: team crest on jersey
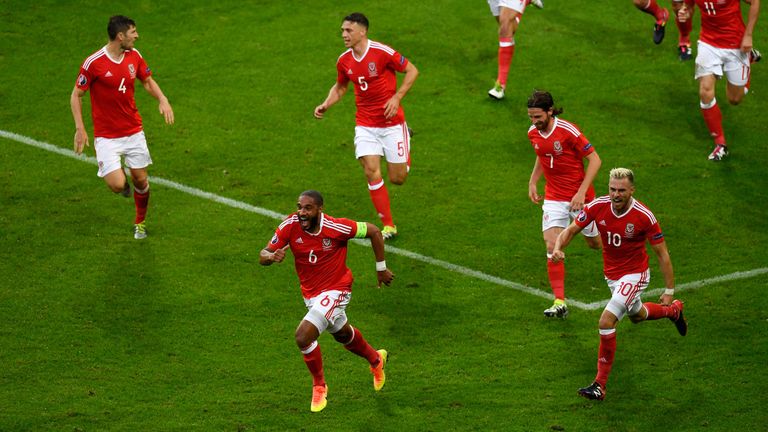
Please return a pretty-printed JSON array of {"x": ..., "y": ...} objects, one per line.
[
  {"x": 372, "y": 72},
  {"x": 629, "y": 231},
  {"x": 274, "y": 239},
  {"x": 326, "y": 243},
  {"x": 132, "y": 70},
  {"x": 558, "y": 147},
  {"x": 82, "y": 80}
]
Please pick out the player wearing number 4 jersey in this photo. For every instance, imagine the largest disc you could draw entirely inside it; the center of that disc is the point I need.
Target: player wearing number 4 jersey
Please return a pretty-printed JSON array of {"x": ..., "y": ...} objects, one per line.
[
  {"x": 625, "y": 224},
  {"x": 319, "y": 246},
  {"x": 110, "y": 74},
  {"x": 560, "y": 149},
  {"x": 381, "y": 128}
]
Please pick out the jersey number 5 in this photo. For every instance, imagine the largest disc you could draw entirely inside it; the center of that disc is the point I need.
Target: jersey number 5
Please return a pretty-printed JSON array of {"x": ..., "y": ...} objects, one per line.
[{"x": 363, "y": 83}]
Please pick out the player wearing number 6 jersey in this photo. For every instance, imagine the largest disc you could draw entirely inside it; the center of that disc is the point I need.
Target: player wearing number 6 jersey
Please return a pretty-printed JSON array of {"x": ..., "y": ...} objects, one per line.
[
  {"x": 319, "y": 246},
  {"x": 625, "y": 224},
  {"x": 560, "y": 152},
  {"x": 381, "y": 128},
  {"x": 109, "y": 74}
]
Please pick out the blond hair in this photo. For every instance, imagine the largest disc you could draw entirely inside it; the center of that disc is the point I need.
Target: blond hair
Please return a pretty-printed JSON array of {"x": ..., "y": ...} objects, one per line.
[{"x": 620, "y": 173}]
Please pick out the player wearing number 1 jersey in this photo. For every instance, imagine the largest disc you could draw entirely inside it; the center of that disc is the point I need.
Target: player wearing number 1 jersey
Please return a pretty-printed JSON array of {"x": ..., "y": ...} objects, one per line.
[
  {"x": 560, "y": 152},
  {"x": 724, "y": 48},
  {"x": 625, "y": 224},
  {"x": 109, "y": 74},
  {"x": 319, "y": 246},
  {"x": 381, "y": 128}
]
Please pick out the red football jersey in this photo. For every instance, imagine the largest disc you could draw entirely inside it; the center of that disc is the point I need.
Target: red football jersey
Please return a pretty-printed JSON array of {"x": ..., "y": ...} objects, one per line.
[
  {"x": 561, "y": 154},
  {"x": 623, "y": 236},
  {"x": 722, "y": 25},
  {"x": 375, "y": 82},
  {"x": 320, "y": 259},
  {"x": 113, "y": 107}
]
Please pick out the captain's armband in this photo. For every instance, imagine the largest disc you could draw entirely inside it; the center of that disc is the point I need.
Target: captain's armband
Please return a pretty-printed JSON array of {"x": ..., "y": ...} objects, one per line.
[{"x": 362, "y": 230}]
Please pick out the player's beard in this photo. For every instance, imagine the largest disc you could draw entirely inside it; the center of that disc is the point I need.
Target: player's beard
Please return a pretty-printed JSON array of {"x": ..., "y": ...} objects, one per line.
[{"x": 309, "y": 224}]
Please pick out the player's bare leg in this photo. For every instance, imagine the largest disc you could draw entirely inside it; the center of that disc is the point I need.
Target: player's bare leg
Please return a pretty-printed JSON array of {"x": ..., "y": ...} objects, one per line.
[
  {"x": 379, "y": 195},
  {"x": 118, "y": 183},
  {"x": 354, "y": 342}
]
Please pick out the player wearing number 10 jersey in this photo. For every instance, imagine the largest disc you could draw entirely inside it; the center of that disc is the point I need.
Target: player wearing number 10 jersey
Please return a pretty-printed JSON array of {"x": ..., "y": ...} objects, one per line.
[
  {"x": 625, "y": 224},
  {"x": 560, "y": 152},
  {"x": 319, "y": 246},
  {"x": 381, "y": 128}
]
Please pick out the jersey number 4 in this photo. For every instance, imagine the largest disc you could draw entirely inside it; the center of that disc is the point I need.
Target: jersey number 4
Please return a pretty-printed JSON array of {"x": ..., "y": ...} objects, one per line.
[{"x": 122, "y": 87}]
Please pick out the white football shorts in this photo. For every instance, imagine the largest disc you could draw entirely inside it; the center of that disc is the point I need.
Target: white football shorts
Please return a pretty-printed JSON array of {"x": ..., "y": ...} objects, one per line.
[
  {"x": 392, "y": 142},
  {"x": 626, "y": 293},
  {"x": 515, "y": 5},
  {"x": 559, "y": 214},
  {"x": 109, "y": 151},
  {"x": 716, "y": 61},
  {"x": 328, "y": 310}
]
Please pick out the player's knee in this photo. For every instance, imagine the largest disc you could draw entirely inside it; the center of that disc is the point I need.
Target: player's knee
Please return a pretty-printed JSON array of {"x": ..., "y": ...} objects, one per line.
[
  {"x": 343, "y": 337},
  {"x": 735, "y": 99},
  {"x": 636, "y": 318},
  {"x": 303, "y": 340},
  {"x": 397, "y": 179}
]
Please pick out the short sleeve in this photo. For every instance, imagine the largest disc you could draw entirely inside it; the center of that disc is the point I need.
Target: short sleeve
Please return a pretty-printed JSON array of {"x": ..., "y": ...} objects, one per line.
[
  {"x": 83, "y": 81},
  {"x": 654, "y": 235},
  {"x": 398, "y": 61},
  {"x": 144, "y": 71},
  {"x": 584, "y": 218}
]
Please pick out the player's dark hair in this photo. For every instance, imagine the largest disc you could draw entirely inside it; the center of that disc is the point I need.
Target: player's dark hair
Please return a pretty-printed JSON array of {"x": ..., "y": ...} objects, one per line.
[
  {"x": 315, "y": 195},
  {"x": 119, "y": 24},
  {"x": 357, "y": 17},
  {"x": 543, "y": 99}
]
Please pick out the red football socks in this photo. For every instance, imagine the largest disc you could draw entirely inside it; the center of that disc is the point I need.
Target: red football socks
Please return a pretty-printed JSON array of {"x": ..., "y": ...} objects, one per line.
[
  {"x": 359, "y": 346},
  {"x": 380, "y": 198},
  {"x": 605, "y": 356},
  {"x": 314, "y": 361},
  {"x": 658, "y": 311},
  {"x": 556, "y": 272},
  {"x": 506, "y": 51},
  {"x": 714, "y": 120},
  {"x": 142, "y": 201}
]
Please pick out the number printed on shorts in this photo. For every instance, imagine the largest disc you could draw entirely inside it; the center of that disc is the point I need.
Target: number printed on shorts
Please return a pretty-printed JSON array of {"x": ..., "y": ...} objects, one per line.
[
  {"x": 325, "y": 301},
  {"x": 626, "y": 288},
  {"x": 400, "y": 148},
  {"x": 312, "y": 257}
]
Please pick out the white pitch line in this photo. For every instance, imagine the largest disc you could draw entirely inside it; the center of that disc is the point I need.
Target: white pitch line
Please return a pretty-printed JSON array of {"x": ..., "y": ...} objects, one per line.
[{"x": 398, "y": 251}]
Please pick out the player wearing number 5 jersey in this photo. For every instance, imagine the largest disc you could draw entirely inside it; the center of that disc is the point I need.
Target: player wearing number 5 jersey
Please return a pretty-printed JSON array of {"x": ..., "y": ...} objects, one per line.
[
  {"x": 319, "y": 246},
  {"x": 560, "y": 149},
  {"x": 625, "y": 224},
  {"x": 109, "y": 74},
  {"x": 381, "y": 128}
]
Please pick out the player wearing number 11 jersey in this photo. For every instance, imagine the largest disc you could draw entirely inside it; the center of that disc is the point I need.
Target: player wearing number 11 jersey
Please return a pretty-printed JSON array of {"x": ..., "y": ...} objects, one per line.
[
  {"x": 560, "y": 152},
  {"x": 319, "y": 246},
  {"x": 381, "y": 129},
  {"x": 625, "y": 224}
]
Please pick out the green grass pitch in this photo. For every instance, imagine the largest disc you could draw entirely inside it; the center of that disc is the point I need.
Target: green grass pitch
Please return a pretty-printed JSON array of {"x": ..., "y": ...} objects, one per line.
[{"x": 185, "y": 331}]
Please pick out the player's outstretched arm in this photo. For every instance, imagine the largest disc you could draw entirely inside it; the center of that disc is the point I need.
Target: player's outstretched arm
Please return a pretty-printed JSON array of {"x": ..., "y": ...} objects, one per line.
[
  {"x": 81, "y": 136},
  {"x": 334, "y": 95},
  {"x": 665, "y": 265},
  {"x": 393, "y": 104},
  {"x": 563, "y": 240},
  {"x": 150, "y": 85},
  {"x": 268, "y": 256},
  {"x": 383, "y": 274}
]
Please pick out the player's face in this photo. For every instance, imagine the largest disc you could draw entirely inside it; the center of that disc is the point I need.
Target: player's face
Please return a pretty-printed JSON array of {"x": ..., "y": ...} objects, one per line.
[
  {"x": 129, "y": 38},
  {"x": 309, "y": 213},
  {"x": 620, "y": 191},
  {"x": 352, "y": 33},
  {"x": 540, "y": 118}
]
